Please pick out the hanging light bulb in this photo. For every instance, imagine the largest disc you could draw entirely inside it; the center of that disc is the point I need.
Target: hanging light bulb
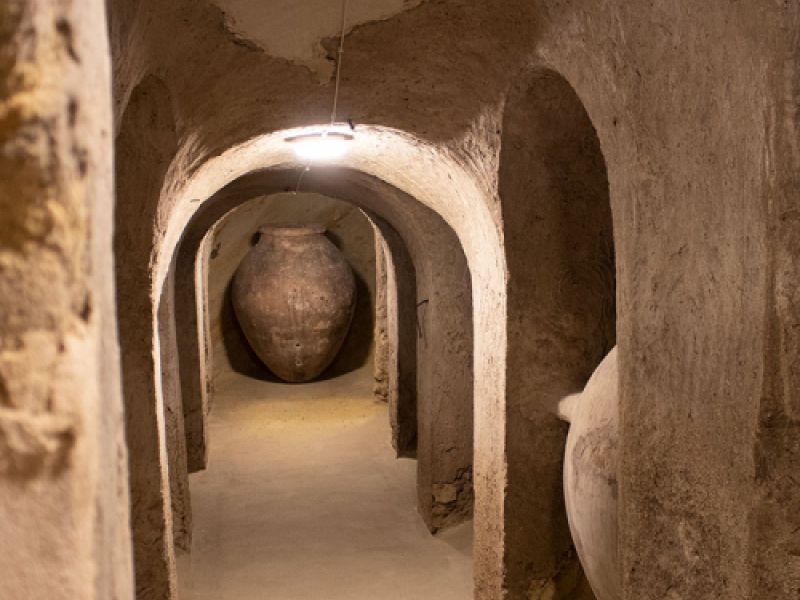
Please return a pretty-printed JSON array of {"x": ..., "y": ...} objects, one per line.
[
  {"x": 331, "y": 141},
  {"x": 325, "y": 143}
]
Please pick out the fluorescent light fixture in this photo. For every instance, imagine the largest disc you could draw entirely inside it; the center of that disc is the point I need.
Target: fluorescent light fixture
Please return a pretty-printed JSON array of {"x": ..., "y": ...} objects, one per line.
[
  {"x": 329, "y": 142},
  {"x": 322, "y": 144}
]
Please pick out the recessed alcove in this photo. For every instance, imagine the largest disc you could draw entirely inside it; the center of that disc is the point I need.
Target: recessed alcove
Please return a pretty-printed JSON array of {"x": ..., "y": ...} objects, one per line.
[
  {"x": 559, "y": 241},
  {"x": 232, "y": 237}
]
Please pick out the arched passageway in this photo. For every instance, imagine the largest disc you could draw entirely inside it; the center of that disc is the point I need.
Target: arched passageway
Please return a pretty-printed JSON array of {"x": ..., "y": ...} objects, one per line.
[
  {"x": 430, "y": 308},
  {"x": 444, "y": 340},
  {"x": 562, "y": 314},
  {"x": 396, "y": 344},
  {"x": 303, "y": 496},
  {"x": 386, "y": 296},
  {"x": 379, "y": 156}
]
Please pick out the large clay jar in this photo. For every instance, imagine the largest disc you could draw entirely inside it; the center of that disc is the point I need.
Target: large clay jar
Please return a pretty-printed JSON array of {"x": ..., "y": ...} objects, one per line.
[
  {"x": 294, "y": 295},
  {"x": 590, "y": 478}
]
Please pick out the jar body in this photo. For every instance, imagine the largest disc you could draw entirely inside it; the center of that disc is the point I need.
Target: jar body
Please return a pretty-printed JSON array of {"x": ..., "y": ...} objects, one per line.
[
  {"x": 294, "y": 295},
  {"x": 590, "y": 479}
]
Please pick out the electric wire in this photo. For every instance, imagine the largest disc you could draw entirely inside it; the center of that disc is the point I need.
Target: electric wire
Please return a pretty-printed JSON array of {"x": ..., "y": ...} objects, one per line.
[
  {"x": 339, "y": 56},
  {"x": 338, "y": 78}
]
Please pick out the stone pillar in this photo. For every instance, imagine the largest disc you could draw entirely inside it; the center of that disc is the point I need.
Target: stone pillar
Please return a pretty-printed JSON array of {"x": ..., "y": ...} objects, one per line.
[
  {"x": 398, "y": 296},
  {"x": 173, "y": 420},
  {"x": 63, "y": 478},
  {"x": 383, "y": 361},
  {"x": 145, "y": 145},
  {"x": 194, "y": 377},
  {"x": 444, "y": 383}
]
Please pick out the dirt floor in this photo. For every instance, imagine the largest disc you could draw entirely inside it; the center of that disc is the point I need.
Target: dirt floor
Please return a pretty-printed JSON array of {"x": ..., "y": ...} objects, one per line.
[{"x": 304, "y": 500}]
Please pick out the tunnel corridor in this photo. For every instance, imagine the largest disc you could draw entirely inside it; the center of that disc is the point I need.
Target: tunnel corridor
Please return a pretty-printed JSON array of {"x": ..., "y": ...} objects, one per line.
[{"x": 304, "y": 499}]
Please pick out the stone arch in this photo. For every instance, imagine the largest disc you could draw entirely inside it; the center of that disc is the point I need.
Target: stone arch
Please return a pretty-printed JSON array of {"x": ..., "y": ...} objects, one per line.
[
  {"x": 559, "y": 246},
  {"x": 444, "y": 343},
  {"x": 384, "y": 327},
  {"x": 439, "y": 181}
]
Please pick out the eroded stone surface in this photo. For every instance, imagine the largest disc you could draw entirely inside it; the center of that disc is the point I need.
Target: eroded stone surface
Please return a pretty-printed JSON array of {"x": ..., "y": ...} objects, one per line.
[{"x": 63, "y": 488}]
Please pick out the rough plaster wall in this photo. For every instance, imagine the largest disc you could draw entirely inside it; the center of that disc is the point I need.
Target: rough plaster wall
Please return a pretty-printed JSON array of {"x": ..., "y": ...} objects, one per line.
[
  {"x": 775, "y": 524},
  {"x": 384, "y": 355},
  {"x": 63, "y": 491},
  {"x": 196, "y": 383},
  {"x": 398, "y": 330},
  {"x": 444, "y": 380},
  {"x": 444, "y": 347},
  {"x": 175, "y": 436},
  {"x": 561, "y": 296},
  {"x": 295, "y": 30},
  {"x": 232, "y": 238},
  {"x": 695, "y": 110},
  {"x": 146, "y": 137}
]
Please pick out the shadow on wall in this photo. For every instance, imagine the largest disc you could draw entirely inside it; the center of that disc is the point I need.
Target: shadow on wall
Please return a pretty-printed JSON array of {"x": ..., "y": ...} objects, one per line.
[
  {"x": 562, "y": 310},
  {"x": 356, "y": 350}
]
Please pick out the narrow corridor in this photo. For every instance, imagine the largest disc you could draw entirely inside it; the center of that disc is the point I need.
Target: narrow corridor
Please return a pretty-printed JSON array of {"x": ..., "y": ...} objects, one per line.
[{"x": 304, "y": 500}]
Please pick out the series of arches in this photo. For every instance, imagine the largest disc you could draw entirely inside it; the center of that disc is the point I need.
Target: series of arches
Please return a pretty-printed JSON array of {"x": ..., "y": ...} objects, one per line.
[
  {"x": 557, "y": 243},
  {"x": 441, "y": 279}
]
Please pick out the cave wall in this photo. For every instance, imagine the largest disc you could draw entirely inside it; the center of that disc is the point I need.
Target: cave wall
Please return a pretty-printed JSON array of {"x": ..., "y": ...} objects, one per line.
[
  {"x": 694, "y": 106},
  {"x": 396, "y": 336},
  {"x": 63, "y": 458},
  {"x": 232, "y": 238},
  {"x": 146, "y": 136},
  {"x": 559, "y": 244}
]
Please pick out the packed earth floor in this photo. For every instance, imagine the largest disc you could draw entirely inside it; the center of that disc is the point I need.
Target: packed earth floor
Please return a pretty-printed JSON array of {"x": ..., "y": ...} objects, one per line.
[{"x": 303, "y": 499}]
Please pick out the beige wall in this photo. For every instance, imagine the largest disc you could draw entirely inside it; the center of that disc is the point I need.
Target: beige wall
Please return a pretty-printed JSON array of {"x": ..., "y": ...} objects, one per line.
[{"x": 63, "y": 461}]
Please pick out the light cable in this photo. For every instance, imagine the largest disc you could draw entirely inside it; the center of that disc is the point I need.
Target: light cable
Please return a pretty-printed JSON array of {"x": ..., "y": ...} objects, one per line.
[{"x": 339, "y": 57}]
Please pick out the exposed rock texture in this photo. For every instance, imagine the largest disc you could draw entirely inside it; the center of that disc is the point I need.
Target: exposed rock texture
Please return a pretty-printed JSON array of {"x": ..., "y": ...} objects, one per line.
[{"x": 63, "y": 463}]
